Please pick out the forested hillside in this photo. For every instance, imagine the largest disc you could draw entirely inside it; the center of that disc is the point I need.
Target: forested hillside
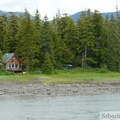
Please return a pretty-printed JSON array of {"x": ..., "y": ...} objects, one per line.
[
  {"x": 92, "y": 41},
  {"x": 78, "y": 14}
]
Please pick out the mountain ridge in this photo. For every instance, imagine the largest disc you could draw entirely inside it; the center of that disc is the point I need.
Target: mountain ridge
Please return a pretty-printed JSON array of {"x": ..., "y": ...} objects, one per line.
[
  {"x": 74, "y": 16},
  {"x": 78, "y": 14},
  {"x": 9, "y": 13}
]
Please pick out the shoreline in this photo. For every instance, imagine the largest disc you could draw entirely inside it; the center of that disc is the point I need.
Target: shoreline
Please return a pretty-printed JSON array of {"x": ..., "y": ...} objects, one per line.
[{"x": 37, "y": 88}]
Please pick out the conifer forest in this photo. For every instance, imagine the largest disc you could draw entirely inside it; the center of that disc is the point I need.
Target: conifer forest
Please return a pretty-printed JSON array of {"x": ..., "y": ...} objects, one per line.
[{"x": 93, "y": 41}]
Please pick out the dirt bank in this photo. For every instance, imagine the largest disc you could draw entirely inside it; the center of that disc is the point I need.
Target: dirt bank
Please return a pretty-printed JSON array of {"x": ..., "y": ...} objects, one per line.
[{"x": 35, "y": 87}]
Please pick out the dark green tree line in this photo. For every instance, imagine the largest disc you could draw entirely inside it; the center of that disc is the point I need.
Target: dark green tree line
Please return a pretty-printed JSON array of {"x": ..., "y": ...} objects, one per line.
[{"x": 92, "y": 41}]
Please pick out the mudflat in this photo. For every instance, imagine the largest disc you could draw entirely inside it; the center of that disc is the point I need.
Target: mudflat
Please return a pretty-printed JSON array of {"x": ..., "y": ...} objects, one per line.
[{"x": 83, "y": 88}]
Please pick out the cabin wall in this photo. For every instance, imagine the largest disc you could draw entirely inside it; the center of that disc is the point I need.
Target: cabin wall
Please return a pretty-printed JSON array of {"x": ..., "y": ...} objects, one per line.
[{"x": 13, "y": 64}]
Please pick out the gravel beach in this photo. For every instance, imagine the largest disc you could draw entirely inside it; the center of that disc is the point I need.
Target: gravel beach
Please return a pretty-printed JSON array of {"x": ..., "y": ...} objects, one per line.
[{"x": 35, "y": 87}]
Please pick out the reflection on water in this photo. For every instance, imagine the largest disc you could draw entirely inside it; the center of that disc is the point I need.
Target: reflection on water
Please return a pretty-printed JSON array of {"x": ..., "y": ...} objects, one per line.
[{"x": 57, "y": 108}]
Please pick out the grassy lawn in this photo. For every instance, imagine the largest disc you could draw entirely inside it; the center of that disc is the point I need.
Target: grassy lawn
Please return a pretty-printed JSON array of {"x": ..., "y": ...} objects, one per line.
[
  {"x": 82, "y": 77},
  {"x": 63, "y": 77},
  {"x": 19, "y": 77}
]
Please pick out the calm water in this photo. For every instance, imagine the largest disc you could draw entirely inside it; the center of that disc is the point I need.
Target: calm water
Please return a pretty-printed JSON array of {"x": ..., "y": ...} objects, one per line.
[{"x": 57, "y": 108}]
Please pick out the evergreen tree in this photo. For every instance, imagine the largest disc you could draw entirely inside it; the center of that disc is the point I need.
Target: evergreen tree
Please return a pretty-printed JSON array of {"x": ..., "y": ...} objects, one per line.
[
  {"x": 27, "y": 47},
  {"x": 57, "y": 41},
  {"x": 65, "y": 31},
  {"x": 10, "y": 34},
  {"x": 47, "y": 66},
  {"x": 1, "y": 62},
  {"x": 47, "y": 45},
  {"x": 86, "y": 38},
  {"x": 55, "y": 20},
  {"x": 3, "y": 22},
  {"x": 100, "y": 48},
  {"x": 114, "y": 45},
  {"x": 38, "y": 30}
]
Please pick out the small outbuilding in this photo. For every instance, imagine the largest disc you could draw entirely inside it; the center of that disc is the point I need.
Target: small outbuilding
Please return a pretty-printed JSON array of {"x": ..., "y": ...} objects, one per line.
[{"x": 12, "y": 62}]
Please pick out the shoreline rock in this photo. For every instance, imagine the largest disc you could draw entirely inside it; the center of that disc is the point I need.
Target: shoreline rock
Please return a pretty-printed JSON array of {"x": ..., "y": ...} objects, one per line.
[{"x": 35, "y": 88}]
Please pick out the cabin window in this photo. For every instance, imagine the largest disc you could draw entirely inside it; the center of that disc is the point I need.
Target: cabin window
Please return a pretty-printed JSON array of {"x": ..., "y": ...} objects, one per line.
[
  {"x": 12, "y": 60},
  {"x": 9, "y": 66},
  {"x": 16, "y": 65},
  {"x": 12, "y": 65}
]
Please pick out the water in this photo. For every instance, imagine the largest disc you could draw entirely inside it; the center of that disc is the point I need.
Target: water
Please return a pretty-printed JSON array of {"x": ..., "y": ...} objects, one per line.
[{"x": 57, "y": 108}]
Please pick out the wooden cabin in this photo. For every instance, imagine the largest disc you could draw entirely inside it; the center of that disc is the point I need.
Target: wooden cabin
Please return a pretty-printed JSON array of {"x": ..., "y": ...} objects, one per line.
[{"x": 12, "y": 62}]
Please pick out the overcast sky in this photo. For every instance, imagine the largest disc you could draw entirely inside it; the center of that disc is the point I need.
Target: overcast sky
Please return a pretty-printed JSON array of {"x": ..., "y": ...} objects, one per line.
[{"x": 50, "y": 7}]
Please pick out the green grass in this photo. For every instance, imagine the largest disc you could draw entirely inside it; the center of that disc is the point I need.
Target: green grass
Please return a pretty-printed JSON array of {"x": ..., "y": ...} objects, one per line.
[
  {"x": 82, "y": 77},
  {"x": 19, "y": 77},
  {"x": 64, "y": 76}
]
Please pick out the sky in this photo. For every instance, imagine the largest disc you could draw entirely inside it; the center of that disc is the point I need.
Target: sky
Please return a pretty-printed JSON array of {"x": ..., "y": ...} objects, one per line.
[{"x": 50, "y": 7}]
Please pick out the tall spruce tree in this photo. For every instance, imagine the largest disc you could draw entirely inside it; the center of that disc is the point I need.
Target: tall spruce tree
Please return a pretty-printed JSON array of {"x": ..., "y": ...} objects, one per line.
[
  {"x": 37, "y": 24},
  {"x": 1, "y": 61},
  {"x": 3, "y": 22},
  {"x": 100, "y": 48},
  {"x": 65, "y": 32},
  {"x": 58, "y": 47},
  {"x": 27, "y": 47},
  {"x": 10, "y": 34},
  {"x": 47, "y": 45},
  {"x": 86, "y": 38},
  {"x": 114, "y": 45}
]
